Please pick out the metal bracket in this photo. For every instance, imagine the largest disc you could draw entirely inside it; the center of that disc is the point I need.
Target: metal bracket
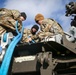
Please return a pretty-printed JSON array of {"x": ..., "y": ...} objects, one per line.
[
  {"x": 8, "y": 38},
  {"x": 45, "y": 60}
]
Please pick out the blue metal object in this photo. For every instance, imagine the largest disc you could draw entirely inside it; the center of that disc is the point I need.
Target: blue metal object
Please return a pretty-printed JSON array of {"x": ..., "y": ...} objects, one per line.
[
  {"x": 7, "y": 58},
  {"x": 0, "y": 49},
  {"x": 5, "y": 37}
]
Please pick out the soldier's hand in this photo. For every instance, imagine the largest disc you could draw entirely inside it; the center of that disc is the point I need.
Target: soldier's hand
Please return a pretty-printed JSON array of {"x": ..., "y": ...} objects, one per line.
[{"x": 29, "y": 39}]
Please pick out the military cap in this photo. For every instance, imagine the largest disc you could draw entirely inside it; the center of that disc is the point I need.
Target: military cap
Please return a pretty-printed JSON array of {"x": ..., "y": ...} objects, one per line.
[
  {"x": 36, "y": 27},
  {"x": 39, "y": 17},
  {"x": 23, "y": 15}
]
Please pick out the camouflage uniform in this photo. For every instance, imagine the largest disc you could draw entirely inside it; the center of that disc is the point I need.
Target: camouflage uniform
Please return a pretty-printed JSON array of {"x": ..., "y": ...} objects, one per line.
[
  {"x": 8, "y": 20},
  {"x": 27, "y": 34},
  {"x": 50, "y": 27}
]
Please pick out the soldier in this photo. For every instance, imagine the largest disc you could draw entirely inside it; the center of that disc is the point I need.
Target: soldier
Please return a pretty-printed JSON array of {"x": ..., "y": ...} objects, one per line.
[
  {"x": 71, "y": 11},
  {"x": 8, "y": 20},
  {"x": 49, "y": 27},
  {"x": 70, "y": 8},
  {"x": 29, "y": 35}
]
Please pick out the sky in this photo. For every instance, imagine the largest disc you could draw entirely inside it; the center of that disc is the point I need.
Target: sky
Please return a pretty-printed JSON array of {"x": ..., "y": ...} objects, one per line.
[{"x": 54, "y": 9}]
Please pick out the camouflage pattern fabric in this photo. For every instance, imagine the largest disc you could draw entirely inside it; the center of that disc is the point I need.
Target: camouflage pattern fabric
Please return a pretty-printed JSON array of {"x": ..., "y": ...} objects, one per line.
[
  {"x": 50, "y": 27},
  {"x": 8, "y": 19},
  {"x": 42, "y": 35},
  {"x": 26, "y": 34},
  {"x": 2, "y": 30}
]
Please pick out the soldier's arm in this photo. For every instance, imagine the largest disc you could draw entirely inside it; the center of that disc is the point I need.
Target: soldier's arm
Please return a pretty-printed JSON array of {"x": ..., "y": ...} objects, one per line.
[
  {"x": 34, "y": 37},
  {"x": 55, "y": 27},
  {"x": 15, "y": 14},
  {"x": 43, "y": 35},
  {"x": 12, "y": 23},
  {"x": 25, "y": 35}
]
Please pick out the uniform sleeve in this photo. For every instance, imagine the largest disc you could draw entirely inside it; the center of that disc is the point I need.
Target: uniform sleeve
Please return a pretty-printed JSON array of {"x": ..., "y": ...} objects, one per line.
[
  {"x": 12, "y": 23},
  {"x": 15, "y": 14},
  {"x": 42, "y": 35},
  {"x": 56, "y": 28},
  {"x": 25, "y": 35},
  {"x": 34, "y": 37},
  {"x": 46, "y": 23}
]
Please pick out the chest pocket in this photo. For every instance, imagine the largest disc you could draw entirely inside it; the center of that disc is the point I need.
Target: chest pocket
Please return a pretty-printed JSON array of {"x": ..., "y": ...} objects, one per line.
[{"x": 45, "y": 27}]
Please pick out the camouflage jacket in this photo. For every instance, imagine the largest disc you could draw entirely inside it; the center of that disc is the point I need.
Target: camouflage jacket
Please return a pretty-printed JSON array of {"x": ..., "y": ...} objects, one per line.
[
  {"x": 50, "y": 27},
  {"x": 27, "y": 34},
  {"x": 8, "y": 19}
]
